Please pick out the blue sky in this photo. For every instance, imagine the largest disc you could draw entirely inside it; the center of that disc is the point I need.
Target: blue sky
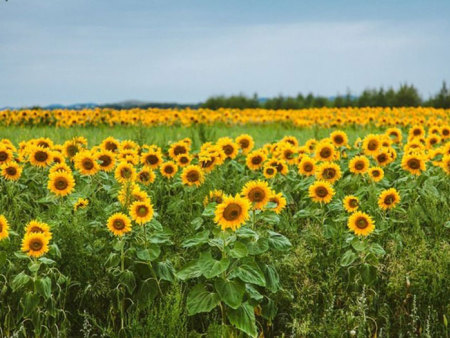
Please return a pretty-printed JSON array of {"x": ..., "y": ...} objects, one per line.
[{"x": 63, "y": 51}]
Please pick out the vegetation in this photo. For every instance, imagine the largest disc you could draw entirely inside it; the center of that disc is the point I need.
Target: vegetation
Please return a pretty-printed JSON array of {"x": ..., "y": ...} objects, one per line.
[{"x": 168, "y": 228}]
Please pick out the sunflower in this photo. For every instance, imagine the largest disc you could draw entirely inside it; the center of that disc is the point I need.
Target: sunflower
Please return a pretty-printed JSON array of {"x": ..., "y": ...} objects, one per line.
[
  {"x": 11, "y": 171},
  {"x": 255, "y": 160},
  {"x": 307, "y": 166},
  {"x": 445, "y": 132},
  {"x": 184, "y": 160},
  {"x": 339, "y": 138},
  {"x": 371, "y": 144},
  {"x": 214, "y": 196},
  {"x": 111, "y": 144},
  {"x": 413, "y": 163},
  {"x": 106, "y": 160},
  {"x": 280, "y": 165},
  {"x": 4, "y": 227},
  {"x": 376, "y": 174},
  {"x": 125, "y": 172},
  {"x": 328, "y": 171},
  {"x": 351, "y": 203},
  {"x": 192, "y": 175},
  {"x": 146, "y": 176},
  {"x": 61, "y": 167},
  {"x": 359, "y": 164},
  {"x": 279, "y": 200},
  {"x": 433, "y": 140},
  {"x": 35, "y": 244},
  {"x": 232, "y": 212},
  {"x": 61, "y": 183},
  {"x": 40, "y": 157},
  {"x": 361, "y": 224},
  {"x": 152, "y": 159},
  {"x": 6, "y": 155},
  {"x": 178, "y": 148},
  {"x": 445, "y": 164},
  {"x": 325, "y": 151},
  {"x": 141, "y": 211},
  {"x": 168, "y": 169},
  {"x": 388, "y": 199},
  {"x": 57, "y": 157},
  {"x": 416, "y": 132},
  {"x": 321, "y": 191},
  {"x": 245, "y": 142},
  {"x": 269, "y": 171},
  {"x": 311, "y": 144},
  {"x": 85, "y": 163},
  {"x": 38, "y": 227},
  {"x": 395, "y": 134},
  {"x": 119, "y": 224},
  {"x": 287, "y": 153},
  {"x": 71, "y": 148},
  {"x": 382, "y": 157},
  {"x": 257, "y": 192},
  {"x": 207, "y": 162},
  {"x": 229, "y": 147},
  {"x": 81, "y": 203}
]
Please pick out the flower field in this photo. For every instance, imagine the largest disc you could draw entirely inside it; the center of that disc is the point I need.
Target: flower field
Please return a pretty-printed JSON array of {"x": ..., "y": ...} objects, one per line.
[{"x": 192, "y": 223}]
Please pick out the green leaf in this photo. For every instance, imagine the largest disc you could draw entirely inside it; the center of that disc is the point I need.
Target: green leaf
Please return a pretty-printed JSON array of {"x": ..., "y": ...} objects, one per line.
[
  {"x": 199, "y": 238},
  {"x": 358, "y": 245},
  {"x": 279, "y": 242},
  {"x": 253, "y": 293},
  {"x": 165, "y": 271},
  {"x": 258, "y": 247},
  {"x": 244, "y": 232},
  {"x": 231, "y": 292},
  {"x": 210, "y": 266},
  {"x": 368, "y": 273},
  {"x": 250, "y": 273},
  {"x": 127, "y": 278},
  {"x": 271, "y": 218},
  {"x": 377, "y": 249},
  {"x": 197, "y": 223},
  {"x": 191, "y": 270},
  {"x": 30, "y": 302},
  {"x": 113, "y": 260},
  {"x": 209, "y": 210},
  {"x": 201, "y": 300},
  {"x": 47, "y": 261},
  {"x": 348, "y": 258},
  {"x": 44, "y": 287},
  {"x": 239, "y": 250},
  {"x": 20, "y": 281},
  {"x": 149, "y": 254},
  {"x": 269, "y": 309},
  {"x": 244, "y": 319},
  {"x": 272, "y": 278},
  {"x": 2, "y": 258}
]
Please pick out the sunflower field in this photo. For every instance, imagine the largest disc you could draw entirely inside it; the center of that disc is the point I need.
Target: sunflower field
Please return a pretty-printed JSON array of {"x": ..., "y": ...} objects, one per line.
[{"x": 227, "y": 223}]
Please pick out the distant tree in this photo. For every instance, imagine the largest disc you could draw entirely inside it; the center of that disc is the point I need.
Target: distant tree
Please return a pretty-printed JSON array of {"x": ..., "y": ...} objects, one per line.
[{"x": 407, "y": 96}]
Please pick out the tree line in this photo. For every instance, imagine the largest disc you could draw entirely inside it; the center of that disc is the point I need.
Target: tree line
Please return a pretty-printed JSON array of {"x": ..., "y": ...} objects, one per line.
[{"x": 405, "y": 96}]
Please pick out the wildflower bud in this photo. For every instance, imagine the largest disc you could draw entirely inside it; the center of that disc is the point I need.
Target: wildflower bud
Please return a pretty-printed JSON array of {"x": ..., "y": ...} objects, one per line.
[{"x": 352, "y": 333}]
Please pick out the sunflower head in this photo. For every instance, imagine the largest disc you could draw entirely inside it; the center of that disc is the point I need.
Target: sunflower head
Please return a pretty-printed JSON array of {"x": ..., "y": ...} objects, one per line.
[
  {"x": 339, "y": 138},
  {"x": 279, "y": 201},
  {"x": 232, "y": 213},
  {"x": 245, "y": 142},
  {"x": 325, "y": 151},
  {"x": 152, "y": 158},
  {"x": 376, "y": 174},
  {"x": 61, "y": 183},
  {"x": 4, "y": 227},
  {"x": 321, "y": 191},
  {"x": 255, "y": 160},
  {"x": 388, "y": 199},
  {"x": 351, "y": 203},
  {"x": 146, "y": 176},
  {"x": 361, "y": 224},
  {"x": 328, "y": 171},
  {"x": 214, "y": 196},
  {"x": 119, "y": 224},
  {"x": 257, "y": 192},
  {"x": 269, "y": 171},
  {"x": 192, "y": 175},
  {"x": 141, "y": 211},
  {"x": 106, "y": 160},
  {"x": 35, "y": 244},
  {"x": 40, "y": 157},
  {"x": 85, "y": 163},
  {"x": 11, "y": 171},
  {"x": 307, "y": 166},
  {"x": 81, "y": 203},
  {"x": 125, "y": 172},
  {"x": 415, "y": 164},
  {"x": 168, "y": 169},
  {"x": 359, "y": 164}
]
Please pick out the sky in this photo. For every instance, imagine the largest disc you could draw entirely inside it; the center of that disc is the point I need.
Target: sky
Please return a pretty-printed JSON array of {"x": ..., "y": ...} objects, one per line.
[{"x": 104, "y": 51}]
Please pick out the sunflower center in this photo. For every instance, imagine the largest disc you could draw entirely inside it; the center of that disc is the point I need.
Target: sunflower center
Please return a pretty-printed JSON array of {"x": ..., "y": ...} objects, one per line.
[
  {"x": 321, "y": 192},
  {"x": 193, "y": 176},
  {"x": 256, "y": 160},
  {"x": 308, "y": 167},
  {"x": 118, "y": 224},
  {"x": 288, "y": 154},
  {"x": 359, "y": 165},
  {"x": 151, "y": 159},
  {"x": 179, "y": 150},
  {"x": 445, "y": 132},
  {"x": 353, "y": 203},
  {"x": 372, "y": 145},
  {"x": 36, "y": 245},
  {"x": 325, "y": 153},
  {"x": 417, "y": 132},
  {"x": 41, "y": 156},
  {"x": 168, "y": 169},
  {"x": 433, "y": 141},
  {"x": 207, "y": 164},
  {"x": 228, "y": 149},
  {"x": 72, "y": 150},
  {"x": 183, "y": 159},
  {"x": 61, "y": 183},
  {"x": 105, "y": 160},
  {"x": 256, "y": 195},
  {"x": 382, "y": 158},
  {"x": 11, "y": 171},
  {"x": 232, "y": 212},
  {"x": 339, "y": 139},
  {"x": 244, "y": 143},
  {"x": 125, "y": 173},
  {"x": 36, "y": 229},
  {"x": 142, "y": 211},
  {"x": 88, "y": 164},
  {"x": 362, "y": 223},
  {"x": 144, "y": 176},
  {"x": 111, "y": 146},
  {"x": 414, "y": 163},
  {"x": 375, "y": 173},
  {"x": 269, "y": 171},
  {"x": 389, "y": 199},
  {"x": 329, "y": 173},
  {"x": 3, "y": 156}
]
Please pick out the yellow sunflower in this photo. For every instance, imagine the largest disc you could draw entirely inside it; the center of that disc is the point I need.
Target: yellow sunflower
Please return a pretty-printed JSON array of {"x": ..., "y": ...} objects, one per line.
[
  {"x": 279, "y": 200},
  {"x": 35, "y": 226},
  {"x": 321, "y": 191},
  {"x": 35, "y": 244},
  {"x": 257, "y": 192},
  {"x": 81, "y": 203},
  {"x": 339, "y": 138},
  {"x": 11, "y": 171},
  {"x": 371, "y": 144},
  {"x": 40, "y": 157},
  {"x": 85, "y": 163},
  {"x": 119, "y": 224},
  {"x": 125, "y": 172},
  {"x": 61, "y": 183},
  {"x": 351, "y": 203},
  {"x": 361, "y": 223},
  {"x": 445, "y": 164},
  {"x": 376, "y": 174},
  {"x": 245, "y": 142},
  {"x": 152, "y": 159},
  {"x": 415, "y": 164},
  {"x": 71, "y": 148},
  {"x": 141, "y": 211},
  {"x": 359, "y": 164},
  {"x": 106, "y": 160},
  {"x": 229, "y": 147},
  {"x": 232, "y": 213},
  {"x": 325, "y": 151},
  {"x": 111, "y": 144},
  {"x": 255, "y": 160},
  {"x": 146, "y": 176},
  {"x": 62, "y": 167},
  {"x": 328, "y": 171},
  {"x": 269, "y": 171},
  {"x": 184, "y": 160},
  {"x": 307, "y": 166},
  {"x": 6, "y": 155},
  {"x": 4, "y": 227},
  {"x": 192, "y": 175},
  {"x": 178, "y": 148},
  {"x": 388, "y": 199},
  {"x": 168, "y": 169}
]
